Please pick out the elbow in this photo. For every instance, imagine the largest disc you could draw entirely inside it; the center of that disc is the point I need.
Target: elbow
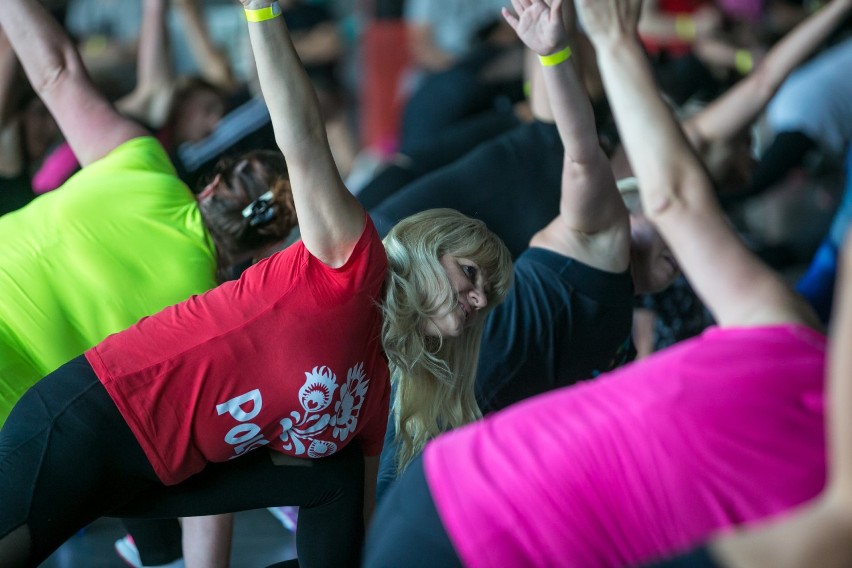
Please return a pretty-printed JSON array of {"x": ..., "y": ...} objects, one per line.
[
  {"x": 673, "y": 197},
  {"x": 57, "y": 70}
]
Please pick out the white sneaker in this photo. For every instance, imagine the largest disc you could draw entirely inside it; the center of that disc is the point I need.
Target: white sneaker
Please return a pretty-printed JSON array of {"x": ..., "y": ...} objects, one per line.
[{"x": 127, "y": 551}]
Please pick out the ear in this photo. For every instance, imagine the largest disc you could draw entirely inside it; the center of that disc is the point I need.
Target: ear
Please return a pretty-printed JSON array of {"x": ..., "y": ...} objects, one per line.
[{"x": 210, "y": 188}]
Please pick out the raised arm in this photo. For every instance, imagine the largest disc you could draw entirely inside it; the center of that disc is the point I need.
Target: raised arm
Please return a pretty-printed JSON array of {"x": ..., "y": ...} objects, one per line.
[
  {"x": 840, "y": 384},
  {"x": 330, "y": 218},
  {"x": 676, "y": 192},
  {"x": 593, "y": 224},
  {"x": 89, "y": 122},
  {"x": 739, "y": 106},
  {"x": 213, "y": 65},
  {"x": 8, "y": 85},
  {"x": 11, "y": 156},
  {"x": 820, "y": 532},
  {"x": 155, "y": 79}
]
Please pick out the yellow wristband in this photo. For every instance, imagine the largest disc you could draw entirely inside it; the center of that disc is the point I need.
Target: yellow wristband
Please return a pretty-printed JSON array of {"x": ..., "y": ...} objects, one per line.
[
  {"x": 743, "y": 61},
  {"x": 685, "y": 27},
  {"x": 263, "y": 14},
  {"x": 555, "y": 58}
]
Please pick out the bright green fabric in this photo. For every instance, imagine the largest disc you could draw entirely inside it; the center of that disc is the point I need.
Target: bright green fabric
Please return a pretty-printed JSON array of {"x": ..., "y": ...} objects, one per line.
[{"x": 121, "y": 239}]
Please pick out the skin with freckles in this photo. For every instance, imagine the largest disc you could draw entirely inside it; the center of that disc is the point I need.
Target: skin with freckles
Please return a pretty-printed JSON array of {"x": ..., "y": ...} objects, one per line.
[{"x": 468, "y": 281}]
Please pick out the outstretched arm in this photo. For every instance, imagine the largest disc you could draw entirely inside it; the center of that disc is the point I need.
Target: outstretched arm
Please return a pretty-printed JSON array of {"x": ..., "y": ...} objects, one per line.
[
  {"x": 739, "y": 106},
  {"x": 155, "y": 80},
  {"x": 330, "y": 218},
  {"x": 11, "y": 156},
  {"x": 820, "y": 532},
  {"x": 676, "y": 192},
  {"x": 840, "y": 384},
  {"x": 593, "y": 224},
  {"x": 89, "y": 122},
  {"x": 213, "y": 65}
]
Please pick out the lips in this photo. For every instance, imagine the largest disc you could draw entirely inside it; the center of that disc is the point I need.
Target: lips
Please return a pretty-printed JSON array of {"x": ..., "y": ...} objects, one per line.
[{"x": 465, "y": 311}]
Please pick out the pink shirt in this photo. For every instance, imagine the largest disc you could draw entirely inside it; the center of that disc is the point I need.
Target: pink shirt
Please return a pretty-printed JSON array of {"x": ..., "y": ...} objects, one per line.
[
  {"x": 645, "y": 461},
  {"x": 286, "y": 357}
]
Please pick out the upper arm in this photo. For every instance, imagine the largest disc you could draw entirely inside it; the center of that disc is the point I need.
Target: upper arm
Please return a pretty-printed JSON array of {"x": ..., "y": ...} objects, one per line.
[
  {"x": 736, "y": 286},
  {"x": 331, "y": 220},
  {"x": 840, "y": 373},
  {"x": 91, "y": 125}
]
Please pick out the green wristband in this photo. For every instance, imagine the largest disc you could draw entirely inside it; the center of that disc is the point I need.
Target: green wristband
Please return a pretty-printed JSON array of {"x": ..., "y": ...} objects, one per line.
[
  {"x": 263, "y": 14},
  {"x": 743, "y": 61},
  {"x": 555, "y": 58}
]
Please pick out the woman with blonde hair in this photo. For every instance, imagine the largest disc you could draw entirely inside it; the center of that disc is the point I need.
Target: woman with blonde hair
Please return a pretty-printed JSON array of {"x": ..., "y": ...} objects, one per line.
[
  {"x": 652, "y": 458},
  {"x": 166, "y": 412},
  {"x": 434, "y": 374}
]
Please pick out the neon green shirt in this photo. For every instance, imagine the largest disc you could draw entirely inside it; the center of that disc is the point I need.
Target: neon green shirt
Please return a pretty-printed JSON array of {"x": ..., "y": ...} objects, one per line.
[{"x": 120, "y": 240}]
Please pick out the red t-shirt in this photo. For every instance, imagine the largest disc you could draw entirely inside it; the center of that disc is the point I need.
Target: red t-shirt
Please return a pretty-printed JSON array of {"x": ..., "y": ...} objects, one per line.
[{"x": 288, "y": 357}]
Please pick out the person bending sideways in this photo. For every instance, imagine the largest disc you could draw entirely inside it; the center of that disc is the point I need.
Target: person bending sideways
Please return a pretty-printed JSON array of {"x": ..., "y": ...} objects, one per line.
[
  {"x": 652, "y": 458},
  {"x": 268, "y": 390}
]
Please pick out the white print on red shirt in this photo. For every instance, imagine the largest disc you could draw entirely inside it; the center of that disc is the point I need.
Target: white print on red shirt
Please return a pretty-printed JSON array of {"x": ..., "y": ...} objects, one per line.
[
  {"x": 244, "y": 436},
  {"x": 299, "y": 432}
]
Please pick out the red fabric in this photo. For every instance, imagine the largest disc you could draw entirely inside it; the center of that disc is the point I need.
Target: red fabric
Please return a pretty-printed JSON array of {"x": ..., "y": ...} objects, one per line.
[
  {"x": 286, "y": 357},
  {"x": 385, "y": 59},
  {"x": 674, "y": 47},
  {"x": 679, "y": 6}
]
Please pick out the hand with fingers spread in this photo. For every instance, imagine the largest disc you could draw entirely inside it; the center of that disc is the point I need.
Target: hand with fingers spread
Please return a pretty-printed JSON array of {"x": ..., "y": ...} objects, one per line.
[
  {"x": 538, "y": 24},
  {"x": 608, "y": 19}
]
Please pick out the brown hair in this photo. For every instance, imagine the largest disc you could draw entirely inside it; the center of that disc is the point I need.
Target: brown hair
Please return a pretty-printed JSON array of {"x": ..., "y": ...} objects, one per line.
[{"x": 243, "y": 180}]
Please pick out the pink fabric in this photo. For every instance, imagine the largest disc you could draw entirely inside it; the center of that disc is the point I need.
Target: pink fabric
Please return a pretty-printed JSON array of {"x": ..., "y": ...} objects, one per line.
[
  {"x": 55, "y": 170},
  {"x": 286, "y": 357},
  {"x": 645, "y": 461}
]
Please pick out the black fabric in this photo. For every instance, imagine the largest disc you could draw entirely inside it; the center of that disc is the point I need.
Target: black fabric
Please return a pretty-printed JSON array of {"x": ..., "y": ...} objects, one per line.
[
  {"x": 67, "y": 457},
  {"x": 444, "y": 148},
  {"x": 159, "y": 541},
  {"x": 787, "y": 152},
  {"x": 562, "y": 322},
  {"x": 680, "y": 313},
  {"x": 685, "y": 77},
  {"x": 262, "y": 138},
  {"x": 449, "y": 97},
  {"x": 698, "y": 558},
  {"x": 302, "y": 18},
  {"x": 407, "y": 530},
  {"x": 512, "y": 182},
  {"x": 15, "y": 192}
]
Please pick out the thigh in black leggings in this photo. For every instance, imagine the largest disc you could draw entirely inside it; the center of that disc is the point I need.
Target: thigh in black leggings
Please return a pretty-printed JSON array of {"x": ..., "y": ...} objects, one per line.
[
  {"x": 328, "y": 491},
  {"x": 66, "y": 458},
  {"x": 407, "y": 530}
]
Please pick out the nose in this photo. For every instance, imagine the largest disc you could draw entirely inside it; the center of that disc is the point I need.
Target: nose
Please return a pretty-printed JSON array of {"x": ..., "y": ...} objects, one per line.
[{"x": 478, "y": 298}]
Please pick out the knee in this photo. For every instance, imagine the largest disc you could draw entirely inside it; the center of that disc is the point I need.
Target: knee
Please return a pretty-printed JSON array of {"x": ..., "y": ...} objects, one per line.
[{"x": 15, "y": 547}]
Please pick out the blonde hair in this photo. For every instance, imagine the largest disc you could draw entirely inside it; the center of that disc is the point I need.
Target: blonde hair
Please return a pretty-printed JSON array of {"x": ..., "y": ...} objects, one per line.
[{"x": 433, "y": 376}]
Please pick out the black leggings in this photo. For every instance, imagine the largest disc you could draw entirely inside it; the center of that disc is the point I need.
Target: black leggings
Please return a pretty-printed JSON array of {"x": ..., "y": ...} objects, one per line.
[
  {"x": 407, "y": 530},
  {"x": 68, "y": 457}
]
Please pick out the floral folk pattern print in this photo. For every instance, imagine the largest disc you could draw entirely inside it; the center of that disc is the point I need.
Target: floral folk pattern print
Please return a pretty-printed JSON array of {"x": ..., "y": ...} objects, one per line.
[{"x": 299, "y": 431}]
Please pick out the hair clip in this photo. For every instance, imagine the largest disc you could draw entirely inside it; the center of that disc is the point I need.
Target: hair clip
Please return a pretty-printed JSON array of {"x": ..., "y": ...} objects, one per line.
[{"x": 260, "y": 211}]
